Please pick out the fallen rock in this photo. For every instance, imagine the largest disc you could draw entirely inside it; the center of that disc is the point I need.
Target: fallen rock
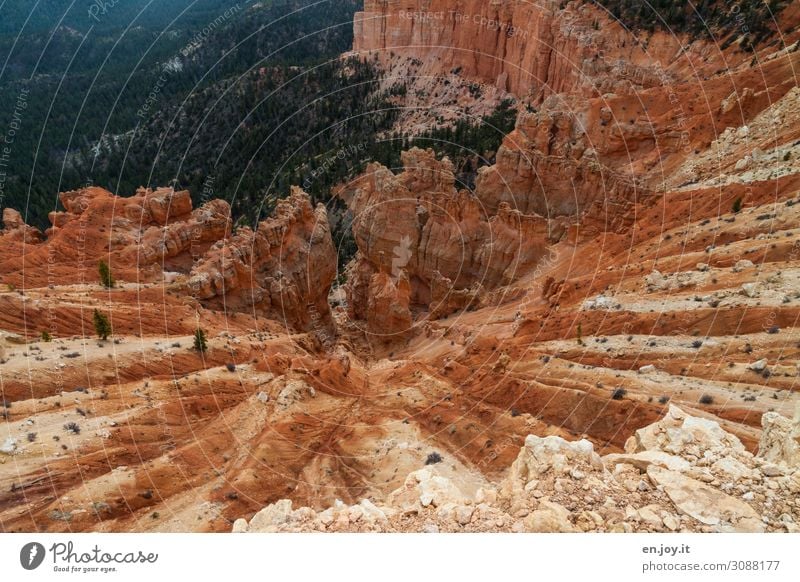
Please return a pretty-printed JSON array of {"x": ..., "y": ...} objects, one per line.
[
  {"x": 272, "y": 516},
  {"x": 680, "y": 434},
  {"x": 541, "y": 455},
  {"x": 424, "y": 488},
  {"x": 780, "y": 439},
  {"x": 9, "y": 446},
  {"x": 644, "y": 459},
  {"x": 549, "y": 518},
  {"x": 705, "y": 504}
]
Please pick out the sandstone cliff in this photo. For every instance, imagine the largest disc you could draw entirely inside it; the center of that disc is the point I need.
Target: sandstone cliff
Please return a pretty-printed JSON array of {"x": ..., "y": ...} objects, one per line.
[
  {"x": 423, "y": 242},
  {"x": 535, "y": 48},
  {"x": 283, "y": 269}
]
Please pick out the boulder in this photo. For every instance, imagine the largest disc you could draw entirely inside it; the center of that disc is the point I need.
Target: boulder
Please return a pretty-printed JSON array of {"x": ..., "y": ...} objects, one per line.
[
  {"x": 680, "y": 434},
  {"x": 272, "y": 516},
  {"x": 705, "y": 504},
  {"x": 549, "y": 518},
  {"x": 425, "y": 488},
  {"x": 780, "y": 439}
]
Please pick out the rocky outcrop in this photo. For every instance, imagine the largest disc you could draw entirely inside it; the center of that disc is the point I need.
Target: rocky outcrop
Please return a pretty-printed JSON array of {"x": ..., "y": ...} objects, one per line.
[
  {"x": 688, "y": 475},
  {"x": 141, "y": 237},
  {"x": 284, "y": 269},
  {"x": 780, "y": 439},
  {"x": 15, "y": 229},
  {"x": 558, "y": 164},
  {"x": 680, "y": 433},
  {"x": 152, "y": 230},
  {"x": 417, "y": 226},
  {"x": 526, "y": 48}
]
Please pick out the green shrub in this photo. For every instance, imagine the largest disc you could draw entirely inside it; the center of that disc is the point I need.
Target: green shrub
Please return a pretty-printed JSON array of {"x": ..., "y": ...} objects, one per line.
[
  {"x": 102, "y": 326},
  {"x": 200, "y": 343},
  {"x": 106, "y": 279}
]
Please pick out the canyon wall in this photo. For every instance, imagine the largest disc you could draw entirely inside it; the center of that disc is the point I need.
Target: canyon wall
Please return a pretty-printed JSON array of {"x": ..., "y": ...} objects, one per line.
[{"x": 523, "y": 47}]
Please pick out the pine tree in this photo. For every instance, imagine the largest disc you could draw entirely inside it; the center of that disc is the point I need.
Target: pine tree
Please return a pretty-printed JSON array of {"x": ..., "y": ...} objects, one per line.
[
  {"x": 200, "y": 343},
  {"x": 106, "y": 279},
  {"x": 101, "y": 325}
]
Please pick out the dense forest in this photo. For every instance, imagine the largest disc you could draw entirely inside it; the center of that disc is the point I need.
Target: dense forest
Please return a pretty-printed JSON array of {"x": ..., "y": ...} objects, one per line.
[
  {"x": 119, "y": 106},
  {"x": 751, "y": 20}
]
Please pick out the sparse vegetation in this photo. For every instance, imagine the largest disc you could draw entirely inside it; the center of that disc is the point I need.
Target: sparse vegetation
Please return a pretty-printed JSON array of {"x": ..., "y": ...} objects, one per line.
[
  {"x": 102, "y": 326},
  {"x": 618, "y": 394},
  {"x": 106, "y": 279},
  {"x": 737, "y": 206},
  {"x": 706, "y": 399},
  {"x": 231, "y": 367},
  {"x": 46, "y": 337},
  {"x": 579, "y": 337},
  {"x": 751, "y": 22},
  {"x": 433, "y": 458},
  {"x": 72, "y": 427},
  {"x": 664, "y": 399}
]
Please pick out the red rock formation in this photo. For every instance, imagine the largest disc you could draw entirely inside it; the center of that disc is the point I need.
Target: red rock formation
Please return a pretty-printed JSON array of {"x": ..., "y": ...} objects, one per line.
[
  {"x": 416, "y": 224},
  {"x": 140, "y": 237},
  {"x": 284, "y": 269},
  {"x": 15, "y": 229},
  {"x": 525, "y": 47}
]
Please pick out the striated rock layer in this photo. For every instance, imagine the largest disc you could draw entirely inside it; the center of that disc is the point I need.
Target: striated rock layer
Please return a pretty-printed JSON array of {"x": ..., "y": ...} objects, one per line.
[
  {"x": 284, "y": 269},
  {"x": 523, "y": 47}
]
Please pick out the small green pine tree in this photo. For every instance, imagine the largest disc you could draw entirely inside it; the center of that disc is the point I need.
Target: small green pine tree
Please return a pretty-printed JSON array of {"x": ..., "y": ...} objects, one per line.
[
  {"x": 46, "y": 337},
  {"x": 106, "y": 279},
  {"x": 101, "y": 325},
  {"x": 200, "y": 343},
  {"x": 737, "y": 205},
  {"x": 580, "y": 335}
]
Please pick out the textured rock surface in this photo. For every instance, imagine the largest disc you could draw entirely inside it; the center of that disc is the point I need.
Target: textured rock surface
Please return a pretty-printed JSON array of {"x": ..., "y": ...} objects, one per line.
[
  {"x": 520, "y": 46},
  {"x": 283, "y": 269},
  {"x": 15, "y": 229},
  {"x": 780, "y": 438},
  {"x": 560, "y": 486},
  {"x": 421, "y": 240},
  {"x": 140, "y": 237}
]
